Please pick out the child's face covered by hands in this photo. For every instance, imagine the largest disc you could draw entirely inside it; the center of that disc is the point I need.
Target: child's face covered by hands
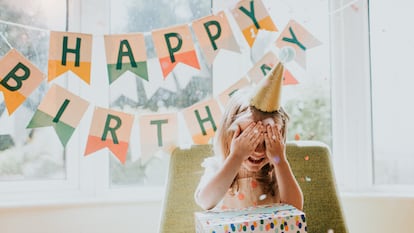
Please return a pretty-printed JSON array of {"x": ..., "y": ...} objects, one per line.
[{"x": 259, "y": 142}]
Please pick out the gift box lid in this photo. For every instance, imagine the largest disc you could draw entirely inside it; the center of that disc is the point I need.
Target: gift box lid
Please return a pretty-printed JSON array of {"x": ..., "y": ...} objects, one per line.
[{"x": 250, "y": 214}]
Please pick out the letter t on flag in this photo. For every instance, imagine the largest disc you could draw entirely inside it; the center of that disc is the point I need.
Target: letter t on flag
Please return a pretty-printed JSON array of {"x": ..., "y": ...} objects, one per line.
[
  {"x": 110, "y": 129},
  {"x": 70, "y": 51},
  {"x": 157, "y": 132},
  {"x": 18, "y": 79}
]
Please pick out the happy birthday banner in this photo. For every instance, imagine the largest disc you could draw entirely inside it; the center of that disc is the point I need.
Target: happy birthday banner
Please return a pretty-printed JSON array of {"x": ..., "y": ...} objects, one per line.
[{"x": 127, "y": 52}]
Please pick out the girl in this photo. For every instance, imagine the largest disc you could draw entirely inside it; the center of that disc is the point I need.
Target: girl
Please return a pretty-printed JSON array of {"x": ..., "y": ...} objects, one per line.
[{"x": 250, "y": 167}]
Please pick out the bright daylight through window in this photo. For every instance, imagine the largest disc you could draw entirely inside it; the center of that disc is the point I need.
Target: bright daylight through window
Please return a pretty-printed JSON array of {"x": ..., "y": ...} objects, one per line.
[
  {"x": 29, "y": 153},
  {"x": 23, "y": 153},
  {"x": 307, "y": 101}
]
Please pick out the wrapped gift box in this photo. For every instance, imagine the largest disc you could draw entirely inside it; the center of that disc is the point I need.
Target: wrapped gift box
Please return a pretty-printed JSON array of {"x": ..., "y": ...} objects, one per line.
[{"x": 278, "y": 218}]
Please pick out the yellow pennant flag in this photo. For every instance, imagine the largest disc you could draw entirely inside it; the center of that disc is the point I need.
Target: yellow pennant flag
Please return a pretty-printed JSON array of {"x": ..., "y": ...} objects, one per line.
[
  {"x": 202, "y": 120},
  {"x": 251, "y": 15},
  {"x": 70, "y": 51},
  {"x": 18, "y": 79}
]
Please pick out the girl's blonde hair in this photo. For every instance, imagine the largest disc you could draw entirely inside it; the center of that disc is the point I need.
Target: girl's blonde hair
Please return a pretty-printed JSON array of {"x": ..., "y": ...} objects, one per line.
[{"x": 237, "y": 110}]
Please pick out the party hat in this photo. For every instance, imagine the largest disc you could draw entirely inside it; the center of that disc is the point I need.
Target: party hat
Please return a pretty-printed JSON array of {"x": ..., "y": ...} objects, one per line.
[{"x": 268, "y": 93}]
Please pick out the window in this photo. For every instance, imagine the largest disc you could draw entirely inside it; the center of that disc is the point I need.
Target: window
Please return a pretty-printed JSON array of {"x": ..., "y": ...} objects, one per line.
[
  {"x": 392, "y": 84},
  {"x": 102, "y": 175},
  {"x": 24, "y": 153},
  {"x": 308, "y": 102},
  {"x": 170, "y": 97}
]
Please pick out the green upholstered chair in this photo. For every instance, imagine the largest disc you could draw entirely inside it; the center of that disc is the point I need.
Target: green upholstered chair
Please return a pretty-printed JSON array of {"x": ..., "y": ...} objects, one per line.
[{"x": 310, "y": 162}]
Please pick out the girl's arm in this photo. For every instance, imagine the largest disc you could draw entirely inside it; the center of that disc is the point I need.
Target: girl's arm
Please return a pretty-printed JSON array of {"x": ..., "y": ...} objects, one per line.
[
  {"x": 290, "y": 192},
  {"x": 208, "y": 195},
  {"x": 289, "y": 189}
]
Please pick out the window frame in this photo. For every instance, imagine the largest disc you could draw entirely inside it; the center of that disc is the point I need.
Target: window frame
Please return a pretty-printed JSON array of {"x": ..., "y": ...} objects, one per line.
[
  {"x": 88, "y": 178},
  {"x": 352, "y": 126}
]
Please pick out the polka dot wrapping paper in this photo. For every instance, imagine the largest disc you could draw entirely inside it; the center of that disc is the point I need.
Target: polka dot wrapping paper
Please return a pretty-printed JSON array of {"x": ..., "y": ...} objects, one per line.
[{"x": 277, "y": 218}]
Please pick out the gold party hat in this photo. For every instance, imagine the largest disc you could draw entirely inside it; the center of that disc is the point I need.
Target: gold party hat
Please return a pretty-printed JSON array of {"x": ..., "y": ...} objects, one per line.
[{"x": 268, "y": 92}]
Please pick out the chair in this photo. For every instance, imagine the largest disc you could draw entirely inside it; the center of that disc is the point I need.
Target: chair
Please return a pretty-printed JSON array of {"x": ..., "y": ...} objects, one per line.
[{"x": 310, "y": 162}]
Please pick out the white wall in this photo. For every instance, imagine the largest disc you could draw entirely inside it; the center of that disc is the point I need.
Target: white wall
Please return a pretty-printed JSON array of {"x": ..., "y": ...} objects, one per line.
[{"x": 364, "y": 214}]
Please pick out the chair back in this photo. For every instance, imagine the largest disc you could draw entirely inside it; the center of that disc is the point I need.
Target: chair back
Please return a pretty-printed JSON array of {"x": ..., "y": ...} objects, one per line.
[
  {"x": 184, "y": 174},
  {"x": 310, "y": 162}
]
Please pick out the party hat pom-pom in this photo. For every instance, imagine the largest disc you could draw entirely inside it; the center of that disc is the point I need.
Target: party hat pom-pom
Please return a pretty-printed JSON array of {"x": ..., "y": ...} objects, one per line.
[{"x": 286, "y": 54}]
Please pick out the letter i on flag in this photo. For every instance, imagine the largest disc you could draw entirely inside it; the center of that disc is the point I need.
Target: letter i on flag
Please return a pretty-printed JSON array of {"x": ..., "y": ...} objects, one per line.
[
  {"x": 18, "y": 79},
  {"x": 251, "y": 15},
  {"x": 300, "y": 39},
  {"x": 202, "y": 120},
  {"x": 111, "y": 129},
  {"x": 61, "y": 109},
  {"x": 126, "y": 52},
  {"x": 174, "y": 45},
  {"x": 214, "y": 33},
  {"x": 70, "y": 51},
  {"x": 157, "y": 131}
]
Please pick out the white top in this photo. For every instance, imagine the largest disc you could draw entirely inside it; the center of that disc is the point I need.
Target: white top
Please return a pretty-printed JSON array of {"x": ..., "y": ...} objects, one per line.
[{"x": 249, "y": 194}]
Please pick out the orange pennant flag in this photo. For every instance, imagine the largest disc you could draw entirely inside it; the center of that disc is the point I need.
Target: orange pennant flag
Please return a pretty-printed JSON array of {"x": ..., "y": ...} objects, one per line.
[
  {"x": 111, "y": 129},
  {"x": 288, "y": 78},
  {"x": 70, "y": 51},
  {"x": 18, "y": 79},
  {"x": 202, "y": 120},
  {"x": 175, "y": 45},
  {"x": 264, "y": 65},
  {"x": 214, "y": 33},
  {"x": 251, "y": 15}
]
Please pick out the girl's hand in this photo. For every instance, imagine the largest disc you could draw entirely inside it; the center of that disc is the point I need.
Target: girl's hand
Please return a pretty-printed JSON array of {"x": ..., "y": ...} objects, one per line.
[
  {"x": 243, "y": 144},
  {"x": 275, "y": 144}
]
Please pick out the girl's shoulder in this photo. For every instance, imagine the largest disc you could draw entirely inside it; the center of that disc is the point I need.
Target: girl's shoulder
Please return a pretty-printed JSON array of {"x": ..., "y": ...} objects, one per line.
[{"x": 212, "y": 162}]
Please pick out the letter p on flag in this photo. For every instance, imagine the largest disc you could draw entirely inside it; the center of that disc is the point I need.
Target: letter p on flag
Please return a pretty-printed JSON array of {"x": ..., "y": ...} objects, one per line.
[{"x": 18, "y": 79}]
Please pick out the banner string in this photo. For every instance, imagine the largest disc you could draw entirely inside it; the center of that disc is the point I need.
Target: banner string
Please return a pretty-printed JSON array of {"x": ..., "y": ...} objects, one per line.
[
  {"x": 145, "y": 33},
  {"x": 343, "y": 7},
  {"x": 24, "y": 26},
  {"x": 5, "y": 40}
]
